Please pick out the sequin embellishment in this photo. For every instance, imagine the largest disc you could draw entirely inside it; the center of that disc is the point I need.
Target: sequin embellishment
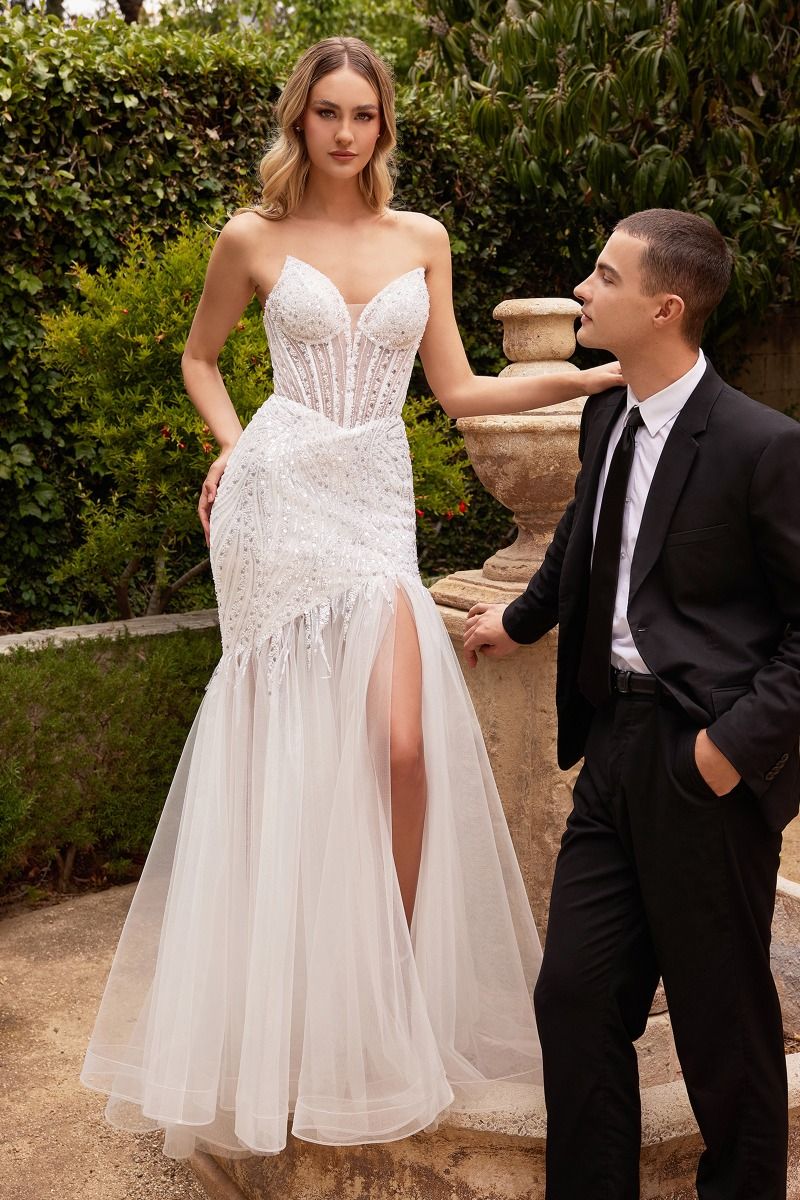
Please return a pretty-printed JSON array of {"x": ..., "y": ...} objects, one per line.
[{"x": 316, "y": 505}]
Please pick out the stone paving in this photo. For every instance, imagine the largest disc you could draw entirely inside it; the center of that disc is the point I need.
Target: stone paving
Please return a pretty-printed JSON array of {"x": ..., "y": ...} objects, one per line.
[{"x": 54, "y": 1142}]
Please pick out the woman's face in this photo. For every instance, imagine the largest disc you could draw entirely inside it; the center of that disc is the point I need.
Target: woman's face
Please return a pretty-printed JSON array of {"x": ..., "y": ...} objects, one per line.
[{"x": 341, "y": 123}]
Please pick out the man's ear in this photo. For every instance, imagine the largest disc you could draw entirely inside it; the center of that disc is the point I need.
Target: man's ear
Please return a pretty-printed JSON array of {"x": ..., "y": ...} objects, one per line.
[{"x": 670, "y": 312}]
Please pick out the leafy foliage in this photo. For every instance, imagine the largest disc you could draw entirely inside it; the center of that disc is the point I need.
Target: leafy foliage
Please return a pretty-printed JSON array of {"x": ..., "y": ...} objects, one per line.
[
  {"x": 141, "y": 450},
  {"x": 394, "y": 28},
  {"x": 92, "y": 731},
  {"x": 107, "y": 127},
  {"x": 598, "y": 109}
]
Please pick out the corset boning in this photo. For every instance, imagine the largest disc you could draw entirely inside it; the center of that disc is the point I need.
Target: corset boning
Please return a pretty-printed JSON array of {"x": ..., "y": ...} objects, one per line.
[{"x": 349, "y": 374}]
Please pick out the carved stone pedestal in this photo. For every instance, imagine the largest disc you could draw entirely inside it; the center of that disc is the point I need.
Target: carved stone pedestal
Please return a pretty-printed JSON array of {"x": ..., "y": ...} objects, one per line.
[{"x": 528, "y": 461}]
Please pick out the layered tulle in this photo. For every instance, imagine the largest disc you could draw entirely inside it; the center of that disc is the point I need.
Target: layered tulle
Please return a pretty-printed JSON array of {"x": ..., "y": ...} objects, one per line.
[{"x": 266, "y": 966}]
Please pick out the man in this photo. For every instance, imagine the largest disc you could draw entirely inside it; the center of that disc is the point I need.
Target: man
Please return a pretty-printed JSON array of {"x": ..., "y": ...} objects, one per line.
[{"x": 674, "y": 576}]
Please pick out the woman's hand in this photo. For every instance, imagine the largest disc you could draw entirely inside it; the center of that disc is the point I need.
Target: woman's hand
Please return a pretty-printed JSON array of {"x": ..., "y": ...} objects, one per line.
[
  {"x": 209, "y": 492},
  {"x": 599, "y": 379}
]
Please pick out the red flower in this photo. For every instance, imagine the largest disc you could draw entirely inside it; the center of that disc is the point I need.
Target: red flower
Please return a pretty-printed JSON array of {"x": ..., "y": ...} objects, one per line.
[
  {"x": 165, "y": 431},
  {"x": 449, "y": 514},
  {"x": 462, "y": 506},
  {"x": 181, "y": 445},
  {"x": 206, "y": 447},
  {"x": 420, "y": 513},
  {"x": 123, "y": 310}
]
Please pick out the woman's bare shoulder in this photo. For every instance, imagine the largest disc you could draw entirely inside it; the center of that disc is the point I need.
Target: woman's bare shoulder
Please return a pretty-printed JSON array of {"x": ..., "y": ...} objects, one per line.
[
  {"x": 430, "y": 235},
  {"x": 420, "y": 224},
  {"x": 248, "y": 228}
]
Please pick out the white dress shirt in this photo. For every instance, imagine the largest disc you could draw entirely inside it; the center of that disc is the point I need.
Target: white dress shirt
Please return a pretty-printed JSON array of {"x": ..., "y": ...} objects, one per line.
[{"x": 659, "y": 413}]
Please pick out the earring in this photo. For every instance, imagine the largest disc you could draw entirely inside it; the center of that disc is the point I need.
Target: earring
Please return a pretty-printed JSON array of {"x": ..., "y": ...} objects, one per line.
[{"x": 298, "y": 129}]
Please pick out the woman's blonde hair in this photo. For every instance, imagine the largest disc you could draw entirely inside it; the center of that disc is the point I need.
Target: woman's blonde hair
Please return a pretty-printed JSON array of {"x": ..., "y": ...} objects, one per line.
[{"x": 284, "y": 168}]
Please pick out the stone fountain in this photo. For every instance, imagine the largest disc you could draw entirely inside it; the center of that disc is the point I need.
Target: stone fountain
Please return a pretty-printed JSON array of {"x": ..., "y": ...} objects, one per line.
[{"x": 495, "y": 1151}]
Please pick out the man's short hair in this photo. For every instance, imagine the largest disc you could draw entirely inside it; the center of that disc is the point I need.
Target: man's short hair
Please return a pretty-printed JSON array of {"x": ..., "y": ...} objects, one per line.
[{"x": 686, "y": 256}]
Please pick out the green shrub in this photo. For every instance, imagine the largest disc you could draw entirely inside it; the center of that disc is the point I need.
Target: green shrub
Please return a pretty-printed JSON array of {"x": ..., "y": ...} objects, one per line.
[
  {"x": 91, "y": 734},
  {"x": 141, "y": 449}
]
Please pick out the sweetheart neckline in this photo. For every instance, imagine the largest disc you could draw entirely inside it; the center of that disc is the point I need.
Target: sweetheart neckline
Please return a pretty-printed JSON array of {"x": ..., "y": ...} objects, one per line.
[{"x": 293, "y": 258}]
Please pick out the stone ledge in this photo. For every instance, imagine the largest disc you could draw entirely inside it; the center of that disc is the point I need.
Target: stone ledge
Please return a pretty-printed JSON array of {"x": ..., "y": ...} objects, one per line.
[
  {"x": 216, "y": 1183},
  {"x": 518, "y": 1110},
  {"x": 488, "y": 1151},
  {"x": 34, "y": 639}
]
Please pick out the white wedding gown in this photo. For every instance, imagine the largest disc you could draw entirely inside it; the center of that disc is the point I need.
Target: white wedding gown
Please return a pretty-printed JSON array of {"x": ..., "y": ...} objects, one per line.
[{"x": 266, "y": 967}]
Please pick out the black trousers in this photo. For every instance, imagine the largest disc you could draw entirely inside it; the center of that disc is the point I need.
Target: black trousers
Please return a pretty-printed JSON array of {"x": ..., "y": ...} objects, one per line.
[{"x": 657, "y": 876}]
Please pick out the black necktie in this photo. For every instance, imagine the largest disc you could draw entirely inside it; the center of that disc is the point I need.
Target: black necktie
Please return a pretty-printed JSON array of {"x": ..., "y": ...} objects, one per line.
[{"x": 593, "y": 673}]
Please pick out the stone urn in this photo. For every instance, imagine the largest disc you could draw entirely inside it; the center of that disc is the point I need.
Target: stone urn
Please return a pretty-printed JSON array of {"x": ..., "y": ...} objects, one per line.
[{"x": 528, "y": 461}]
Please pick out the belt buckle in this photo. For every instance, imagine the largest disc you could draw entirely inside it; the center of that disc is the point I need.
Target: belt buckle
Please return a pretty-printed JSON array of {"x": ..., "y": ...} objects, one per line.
[{"x": 624, "y": 683}]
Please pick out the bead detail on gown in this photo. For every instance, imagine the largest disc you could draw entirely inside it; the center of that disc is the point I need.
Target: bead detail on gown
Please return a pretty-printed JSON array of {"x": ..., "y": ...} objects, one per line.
[{"x": 266, "y": 975}]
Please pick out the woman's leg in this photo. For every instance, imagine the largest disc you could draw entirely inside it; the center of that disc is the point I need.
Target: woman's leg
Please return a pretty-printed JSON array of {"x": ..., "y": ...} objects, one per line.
[{"x": 406, "y": 754}]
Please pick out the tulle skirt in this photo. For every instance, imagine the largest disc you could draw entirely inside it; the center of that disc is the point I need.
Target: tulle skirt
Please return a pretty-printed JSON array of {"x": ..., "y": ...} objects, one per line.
[{"x": 266, "y": 968}]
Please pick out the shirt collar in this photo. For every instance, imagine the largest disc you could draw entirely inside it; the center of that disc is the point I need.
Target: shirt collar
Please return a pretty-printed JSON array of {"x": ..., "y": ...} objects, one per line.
[{"x": 665, "y": 405}]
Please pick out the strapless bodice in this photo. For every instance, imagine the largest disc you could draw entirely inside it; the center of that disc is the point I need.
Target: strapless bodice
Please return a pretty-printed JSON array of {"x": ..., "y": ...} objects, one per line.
[{"x": 350, "y": 371}]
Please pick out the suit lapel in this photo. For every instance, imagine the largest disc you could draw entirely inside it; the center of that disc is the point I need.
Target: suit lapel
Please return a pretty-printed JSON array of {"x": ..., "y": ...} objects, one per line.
[{"x": 670, "y": 476}]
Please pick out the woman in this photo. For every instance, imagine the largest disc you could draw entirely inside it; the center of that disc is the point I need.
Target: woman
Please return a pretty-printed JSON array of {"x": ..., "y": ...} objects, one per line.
[{"x": 331, "y": 921}]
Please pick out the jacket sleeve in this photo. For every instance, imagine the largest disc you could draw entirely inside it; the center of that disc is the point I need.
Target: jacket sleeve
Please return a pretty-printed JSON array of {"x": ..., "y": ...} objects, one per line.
[
  {"x": 756, "y": 733},
  {"x": 535, "y": 612}
]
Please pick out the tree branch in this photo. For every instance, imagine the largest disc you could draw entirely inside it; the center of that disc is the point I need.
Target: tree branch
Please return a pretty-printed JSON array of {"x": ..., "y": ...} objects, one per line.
[
  {"x": 121, "y": 589},
  {"x": 187, "y": 577}
]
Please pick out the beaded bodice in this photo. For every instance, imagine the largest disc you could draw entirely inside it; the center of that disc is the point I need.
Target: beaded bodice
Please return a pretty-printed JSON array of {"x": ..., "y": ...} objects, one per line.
[
  {"x": 350, "y": 371},
  {"x": 316, "y": 505}
]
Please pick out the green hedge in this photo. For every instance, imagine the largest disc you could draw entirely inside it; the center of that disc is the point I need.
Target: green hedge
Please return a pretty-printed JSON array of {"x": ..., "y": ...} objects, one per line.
[
  {"x": 91, "y": 734},
  {"x": 111, "y": 128},
  {"x": 107, "y": 128}
]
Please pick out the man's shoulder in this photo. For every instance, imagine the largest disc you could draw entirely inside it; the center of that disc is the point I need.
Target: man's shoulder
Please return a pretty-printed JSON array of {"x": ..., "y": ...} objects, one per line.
[
  {"x": 743, "y": 416},
  {"x": 602, "y": 404},
  {"x": 597, "y": 412}
]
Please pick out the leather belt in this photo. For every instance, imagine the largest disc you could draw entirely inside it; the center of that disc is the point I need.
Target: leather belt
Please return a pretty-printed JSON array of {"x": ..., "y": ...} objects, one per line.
[{"x": 631, "y": 683}]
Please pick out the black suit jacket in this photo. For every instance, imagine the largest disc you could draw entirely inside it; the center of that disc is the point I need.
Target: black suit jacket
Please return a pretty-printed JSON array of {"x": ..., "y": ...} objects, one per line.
[{"x": 714, "y": 604}]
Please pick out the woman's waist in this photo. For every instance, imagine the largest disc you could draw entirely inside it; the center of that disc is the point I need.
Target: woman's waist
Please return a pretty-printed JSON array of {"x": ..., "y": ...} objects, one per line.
[{"x": 319, "y": 413}]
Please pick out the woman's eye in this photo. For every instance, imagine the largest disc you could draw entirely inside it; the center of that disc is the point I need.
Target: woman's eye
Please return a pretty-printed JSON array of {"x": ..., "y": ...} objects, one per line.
[{"x": 366, "y": 116}]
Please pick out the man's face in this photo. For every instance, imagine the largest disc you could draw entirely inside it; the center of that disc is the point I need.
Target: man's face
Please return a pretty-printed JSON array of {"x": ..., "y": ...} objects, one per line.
[{"x": 616, "y": 315}]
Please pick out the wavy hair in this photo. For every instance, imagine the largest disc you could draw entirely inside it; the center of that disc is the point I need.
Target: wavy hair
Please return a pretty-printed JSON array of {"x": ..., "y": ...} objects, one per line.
[{"x": 284, "y": 168}]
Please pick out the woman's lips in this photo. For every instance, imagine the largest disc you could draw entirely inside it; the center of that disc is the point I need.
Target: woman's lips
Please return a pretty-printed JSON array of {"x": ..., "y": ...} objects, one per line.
[{"x": 342, "y": 154}]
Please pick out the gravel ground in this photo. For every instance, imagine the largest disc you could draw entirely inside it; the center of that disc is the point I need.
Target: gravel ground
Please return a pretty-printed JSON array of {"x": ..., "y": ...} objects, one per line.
[{"x": 54, "y": 1141}]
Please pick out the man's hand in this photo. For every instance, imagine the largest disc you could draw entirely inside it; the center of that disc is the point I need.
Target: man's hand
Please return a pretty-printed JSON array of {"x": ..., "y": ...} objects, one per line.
[
  {"x": 720, "y": 774},
  {"x": 484, "y": 634}
]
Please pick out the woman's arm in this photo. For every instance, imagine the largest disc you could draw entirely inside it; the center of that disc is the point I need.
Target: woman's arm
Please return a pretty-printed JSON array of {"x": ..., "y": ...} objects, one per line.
[
  {"x": 227, "y": 291},
  {"x": 462, "y": 394}
]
